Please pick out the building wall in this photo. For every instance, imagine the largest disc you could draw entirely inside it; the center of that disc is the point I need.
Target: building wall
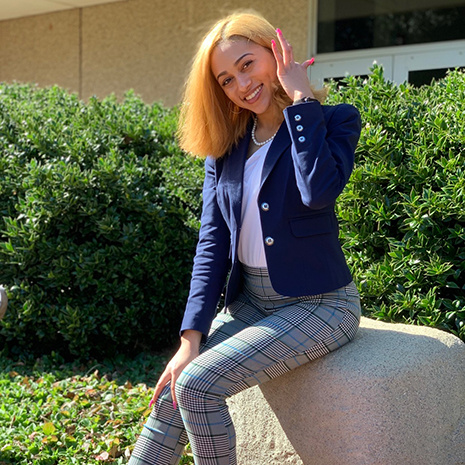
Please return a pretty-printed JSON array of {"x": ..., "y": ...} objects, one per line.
[
  {"x": 42, "y": 49},
  {"x": 145, "y": 45}
]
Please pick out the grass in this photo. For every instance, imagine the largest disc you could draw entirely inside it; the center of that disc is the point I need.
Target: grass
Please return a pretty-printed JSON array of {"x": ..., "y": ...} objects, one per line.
[{"x": 56, "y": 413}]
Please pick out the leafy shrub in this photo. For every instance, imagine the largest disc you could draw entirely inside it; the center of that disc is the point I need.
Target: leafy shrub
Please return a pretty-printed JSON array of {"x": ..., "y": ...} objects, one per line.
[
  {"x": 403, "y": 212},
  {"x": 95, "y": 249},
  {"x": 89, "y": 412}
]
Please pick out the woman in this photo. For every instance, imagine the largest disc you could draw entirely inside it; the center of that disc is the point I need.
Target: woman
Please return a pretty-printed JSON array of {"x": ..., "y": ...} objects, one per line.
[{"x": 277, "y": 161}]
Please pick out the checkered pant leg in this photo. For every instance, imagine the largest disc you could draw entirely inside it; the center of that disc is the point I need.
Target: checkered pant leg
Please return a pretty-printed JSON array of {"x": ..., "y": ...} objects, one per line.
[
  {"x": 257, "y": 338},
  {"x": 163, "y": 436}
]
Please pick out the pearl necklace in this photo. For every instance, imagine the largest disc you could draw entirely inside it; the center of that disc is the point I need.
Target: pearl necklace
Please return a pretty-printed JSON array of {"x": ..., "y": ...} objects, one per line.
[{"x": 255, "y": 141}]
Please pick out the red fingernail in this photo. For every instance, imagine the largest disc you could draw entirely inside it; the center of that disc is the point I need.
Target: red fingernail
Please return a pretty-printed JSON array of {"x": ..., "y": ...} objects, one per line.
[
  {"x": 273, "y": 43},
  {"x": 278, "y": 31},
  {"x": 175, "y": 406},
  {"x": 312, "y": 61},
  {"x": 151, "y": 403}
]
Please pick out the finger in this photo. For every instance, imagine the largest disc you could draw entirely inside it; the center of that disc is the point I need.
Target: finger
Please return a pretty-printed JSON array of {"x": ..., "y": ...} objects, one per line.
[
  {"x": 278, "y": 57},
  {"x": 283, "y": 44},
  {"x": 154, "y": 398},
  {"x": 173, "y": 393},
  {"x": 308, "y": 63},
  {"x": 288, "y": 54},
  {"x": 162, "y": 382},
  {"x": 277, "y": 54}
]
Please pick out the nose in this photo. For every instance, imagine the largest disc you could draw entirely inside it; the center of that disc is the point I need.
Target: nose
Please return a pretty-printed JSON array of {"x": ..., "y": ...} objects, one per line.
[{"x": 243, "y": 82}]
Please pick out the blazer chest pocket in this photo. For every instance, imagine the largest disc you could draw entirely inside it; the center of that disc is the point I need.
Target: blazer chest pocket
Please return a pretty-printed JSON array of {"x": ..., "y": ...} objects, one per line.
[{"x": 312, "y": 225}]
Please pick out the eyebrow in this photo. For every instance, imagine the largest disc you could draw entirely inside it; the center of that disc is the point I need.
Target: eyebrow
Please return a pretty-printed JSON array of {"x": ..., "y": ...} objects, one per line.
[{"x": 235, "y": 64}]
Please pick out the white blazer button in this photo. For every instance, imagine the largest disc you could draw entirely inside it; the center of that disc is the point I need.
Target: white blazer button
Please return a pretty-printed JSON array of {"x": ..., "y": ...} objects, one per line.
[
  {"x": 269, "y": 240},
  {"x": 265, "y": 206},
  {"x": 301, "y": 139},
  {"x": 297, "y": 117},
  {"x": 300, "y": 128}
]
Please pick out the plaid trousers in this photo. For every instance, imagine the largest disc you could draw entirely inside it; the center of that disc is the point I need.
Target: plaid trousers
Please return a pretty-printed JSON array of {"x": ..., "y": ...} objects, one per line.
[{"x": 258, "y": 337}]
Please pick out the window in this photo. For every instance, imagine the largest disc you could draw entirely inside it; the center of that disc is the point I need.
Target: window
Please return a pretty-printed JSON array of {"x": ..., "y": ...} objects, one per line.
[
  {"x": 413, "y": 40},
  {"x": 426, "y": 76},
  {"x": 363, "y": 24}
]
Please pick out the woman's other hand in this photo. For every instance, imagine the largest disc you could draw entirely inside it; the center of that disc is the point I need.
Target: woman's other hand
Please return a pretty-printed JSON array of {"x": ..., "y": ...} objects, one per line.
[
  {"x": 291, "y": 74},
  {"x": 189, "y": 350}
]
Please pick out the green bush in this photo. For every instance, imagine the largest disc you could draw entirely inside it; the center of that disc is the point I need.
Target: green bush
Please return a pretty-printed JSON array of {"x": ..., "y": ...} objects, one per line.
[
  {"x": 96, "y": 239},
  {"x": 403, "y": 212}
]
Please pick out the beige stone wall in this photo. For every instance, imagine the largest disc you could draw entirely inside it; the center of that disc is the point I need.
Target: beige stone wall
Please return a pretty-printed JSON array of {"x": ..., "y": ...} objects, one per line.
[
  {"x": 42, "y": 49},
  {"x": 145, "y": 45}
]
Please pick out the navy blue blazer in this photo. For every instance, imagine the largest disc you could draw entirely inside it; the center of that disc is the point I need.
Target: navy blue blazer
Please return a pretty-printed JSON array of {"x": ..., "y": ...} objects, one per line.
[{"x": 299, "y": 187}]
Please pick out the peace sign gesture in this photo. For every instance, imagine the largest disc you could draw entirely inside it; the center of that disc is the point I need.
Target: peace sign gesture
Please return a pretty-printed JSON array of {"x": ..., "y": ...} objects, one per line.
[{"x": 291, "y": 74}]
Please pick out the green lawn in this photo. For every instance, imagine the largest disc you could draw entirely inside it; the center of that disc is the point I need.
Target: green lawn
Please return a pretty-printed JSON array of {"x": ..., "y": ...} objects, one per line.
[{"x": 54, "y": 413}]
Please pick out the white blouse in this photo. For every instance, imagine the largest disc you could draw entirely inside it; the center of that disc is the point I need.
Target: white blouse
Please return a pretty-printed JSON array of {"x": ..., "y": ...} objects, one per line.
[{"x": 251, "y": 250}]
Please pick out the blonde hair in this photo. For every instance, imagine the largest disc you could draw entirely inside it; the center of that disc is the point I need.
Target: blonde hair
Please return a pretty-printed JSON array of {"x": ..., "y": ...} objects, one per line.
[{"x": 209, "y": 123}]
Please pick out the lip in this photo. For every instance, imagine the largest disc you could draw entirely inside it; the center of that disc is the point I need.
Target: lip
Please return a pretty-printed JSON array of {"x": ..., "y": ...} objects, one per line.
[{"x": 257, "y": 91}]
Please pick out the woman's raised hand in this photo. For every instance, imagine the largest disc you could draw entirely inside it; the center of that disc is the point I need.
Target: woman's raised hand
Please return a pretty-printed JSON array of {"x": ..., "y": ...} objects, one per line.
[
  {"x": 189, "y": 350},
  {"x": 291, "y": 74}
]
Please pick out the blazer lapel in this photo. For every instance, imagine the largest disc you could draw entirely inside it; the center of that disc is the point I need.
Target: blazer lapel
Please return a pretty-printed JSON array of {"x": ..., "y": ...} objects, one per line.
[
  {"x": 280, "y": 143},
  {"x": 231, "y": 180}
]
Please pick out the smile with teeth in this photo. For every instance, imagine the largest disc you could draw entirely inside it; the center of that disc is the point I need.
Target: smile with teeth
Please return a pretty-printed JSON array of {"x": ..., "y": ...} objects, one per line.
[{"x": 254, "y": 93}]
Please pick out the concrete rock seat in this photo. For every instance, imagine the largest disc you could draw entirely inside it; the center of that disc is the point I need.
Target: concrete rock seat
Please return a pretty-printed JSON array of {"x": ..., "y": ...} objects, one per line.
[{"x": 393, "y": 396}]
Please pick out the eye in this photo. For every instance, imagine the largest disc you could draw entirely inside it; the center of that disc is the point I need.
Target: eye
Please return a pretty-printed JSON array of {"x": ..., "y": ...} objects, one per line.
[
  {"x": 226, "y": 82},
  {"x": 247, "y": 64}
]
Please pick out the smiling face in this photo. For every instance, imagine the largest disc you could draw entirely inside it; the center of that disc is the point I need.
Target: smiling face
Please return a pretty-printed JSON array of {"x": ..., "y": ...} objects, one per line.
[{"x": 246, "y": 72}]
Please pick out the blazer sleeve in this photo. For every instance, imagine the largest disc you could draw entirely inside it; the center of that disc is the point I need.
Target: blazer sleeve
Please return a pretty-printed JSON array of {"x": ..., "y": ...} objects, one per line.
[
  {"x": 211, "y": 261},
  {"x": 323, "y": 147}
]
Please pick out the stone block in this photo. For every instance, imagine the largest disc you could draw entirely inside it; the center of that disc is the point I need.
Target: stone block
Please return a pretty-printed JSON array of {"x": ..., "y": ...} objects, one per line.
[{"x": 393, "y": 396}]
